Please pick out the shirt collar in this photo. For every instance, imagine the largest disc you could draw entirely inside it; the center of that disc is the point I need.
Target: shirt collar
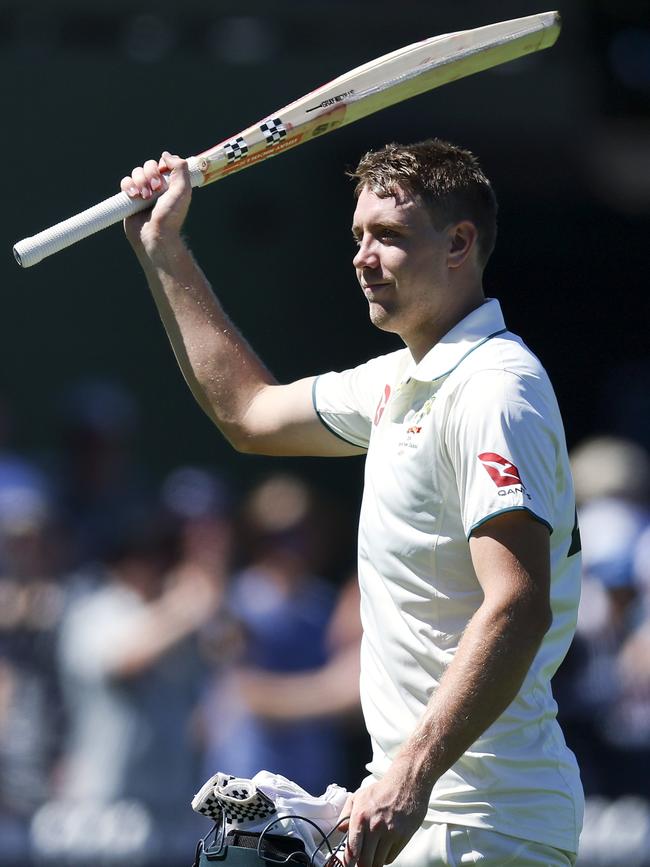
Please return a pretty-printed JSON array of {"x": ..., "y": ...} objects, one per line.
[{"x": 480, "y": 325}]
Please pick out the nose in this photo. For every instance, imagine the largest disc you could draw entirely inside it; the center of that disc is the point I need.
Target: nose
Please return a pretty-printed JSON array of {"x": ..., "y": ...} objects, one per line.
[{"x": 366, "y": 255}]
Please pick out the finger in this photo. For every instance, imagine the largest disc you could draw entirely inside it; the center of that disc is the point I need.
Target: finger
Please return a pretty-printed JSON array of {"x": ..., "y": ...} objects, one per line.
[
  {"x": 394, "y": 852},
  {"x": 344, "y": 817},
  {"x": 353, "y": 844},
  {"x": 127, "y": 186},
  {"x": 343, "y": 823},
  {"x": 366, "y": 856},
  {"x": 172, "y": 161},
  {"x": 152, "y": 174},
  {"x": 140, "y": 181},
  {"x": 382, "y": 853}
]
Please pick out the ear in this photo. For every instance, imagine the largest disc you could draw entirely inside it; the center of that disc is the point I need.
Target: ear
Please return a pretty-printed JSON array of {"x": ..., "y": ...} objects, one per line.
[{"x": 463, "y": 239}]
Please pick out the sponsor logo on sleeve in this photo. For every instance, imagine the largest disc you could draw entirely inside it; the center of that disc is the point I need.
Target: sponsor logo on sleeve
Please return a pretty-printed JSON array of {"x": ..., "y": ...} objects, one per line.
[
  {"x": 503, "y": 473},
  {"x": 381, "y": 406}
]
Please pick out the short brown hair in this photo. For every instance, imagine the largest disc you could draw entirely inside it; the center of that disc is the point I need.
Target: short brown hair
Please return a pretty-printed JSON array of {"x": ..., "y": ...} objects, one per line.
[{"x": 448, "y": 179}]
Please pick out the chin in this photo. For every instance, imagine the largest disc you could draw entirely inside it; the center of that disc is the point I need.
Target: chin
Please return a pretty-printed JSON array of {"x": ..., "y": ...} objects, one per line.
[{"x": 382, "y": 319}]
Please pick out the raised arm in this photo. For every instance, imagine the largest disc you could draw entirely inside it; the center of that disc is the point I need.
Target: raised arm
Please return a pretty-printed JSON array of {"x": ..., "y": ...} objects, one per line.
[{"x": 226, "y": 377}]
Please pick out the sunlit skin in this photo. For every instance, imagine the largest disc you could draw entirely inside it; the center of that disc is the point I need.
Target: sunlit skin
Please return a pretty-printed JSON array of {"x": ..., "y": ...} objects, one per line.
[{"x": 419, "y": 281}]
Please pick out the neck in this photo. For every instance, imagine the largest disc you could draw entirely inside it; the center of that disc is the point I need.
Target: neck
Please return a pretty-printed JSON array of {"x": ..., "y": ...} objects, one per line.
[{"x": 432, "y": 331}]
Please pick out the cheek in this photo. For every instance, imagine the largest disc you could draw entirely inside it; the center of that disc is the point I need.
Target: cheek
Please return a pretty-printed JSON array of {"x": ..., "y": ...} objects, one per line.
[{"x": 430, "y": 263}]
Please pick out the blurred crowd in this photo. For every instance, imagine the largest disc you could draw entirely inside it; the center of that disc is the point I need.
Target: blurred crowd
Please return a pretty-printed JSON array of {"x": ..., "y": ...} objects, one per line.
[{"x": 152, "y": 634}]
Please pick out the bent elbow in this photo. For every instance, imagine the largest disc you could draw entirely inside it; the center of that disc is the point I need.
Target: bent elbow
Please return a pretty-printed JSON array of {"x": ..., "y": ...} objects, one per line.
[
  {"x": 244, "y": 441},
  {"x": 243, "y": 444}
]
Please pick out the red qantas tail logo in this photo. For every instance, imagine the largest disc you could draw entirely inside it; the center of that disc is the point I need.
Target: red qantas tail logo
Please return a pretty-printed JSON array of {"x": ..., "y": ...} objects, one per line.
[
  {"x": 501, "y": 471},
  {"x": 381, "y": 406}
]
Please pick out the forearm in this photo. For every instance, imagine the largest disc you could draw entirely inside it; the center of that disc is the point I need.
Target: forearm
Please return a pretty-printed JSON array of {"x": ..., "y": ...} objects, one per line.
[
  {"x": 184, "y": 606},
  {"x": 489, "y": 667},
  {"x": 221, "y": 369},
  {"x": 330, "y": 691},
  {"x": 152, "y": 635}
]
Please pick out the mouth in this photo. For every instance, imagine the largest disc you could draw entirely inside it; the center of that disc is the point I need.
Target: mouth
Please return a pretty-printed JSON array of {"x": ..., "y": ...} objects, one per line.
[{"x": 371, "y": 289}]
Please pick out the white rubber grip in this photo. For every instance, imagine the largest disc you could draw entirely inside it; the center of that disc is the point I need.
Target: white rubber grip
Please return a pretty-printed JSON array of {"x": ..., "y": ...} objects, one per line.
[{"x": 32, "y": 250}]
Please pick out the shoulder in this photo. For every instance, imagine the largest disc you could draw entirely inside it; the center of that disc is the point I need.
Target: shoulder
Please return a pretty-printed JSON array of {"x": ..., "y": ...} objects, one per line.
[
  {"x": 502, "y": 378},
  {"x": 384, "y": 366},
  {"x": 503, "y": 363},
  {"x": 507, "y": 352},
  {"x": 361, "y": 384}
]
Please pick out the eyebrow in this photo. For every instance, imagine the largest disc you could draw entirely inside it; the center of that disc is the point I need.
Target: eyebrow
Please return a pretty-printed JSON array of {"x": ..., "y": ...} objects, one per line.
[{"x": 380, "y": 224}]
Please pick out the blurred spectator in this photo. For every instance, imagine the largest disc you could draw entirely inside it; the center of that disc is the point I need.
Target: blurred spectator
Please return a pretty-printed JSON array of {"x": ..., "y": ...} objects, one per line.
[
  {"x": 284, "y": 611},
  {"x": 200, "y": 503},
  {"x": 329, "y": 691},
  {"x": 132, "y": 677},
  {"x": 605, "y": 705},
  {"x": 31, "y": 603},
  {"x": 100, "y": 483}
]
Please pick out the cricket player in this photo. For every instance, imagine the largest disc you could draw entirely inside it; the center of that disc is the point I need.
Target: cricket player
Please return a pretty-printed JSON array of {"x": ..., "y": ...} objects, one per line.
[{"x": 469, "y": 561}]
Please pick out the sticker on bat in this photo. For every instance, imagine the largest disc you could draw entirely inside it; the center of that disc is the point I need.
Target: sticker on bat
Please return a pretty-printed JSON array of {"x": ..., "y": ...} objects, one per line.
[
  {"x": 331, "y": 101},
  {"x": 235, "y": 149},
  {"x": 255, "y": 157},
  {"x": 325, "y": 127},
  {"x": 273, "y": 130}
]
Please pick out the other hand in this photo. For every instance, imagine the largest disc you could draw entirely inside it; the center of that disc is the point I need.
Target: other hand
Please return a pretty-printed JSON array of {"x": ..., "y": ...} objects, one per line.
[{"x": 383, "y": 818}]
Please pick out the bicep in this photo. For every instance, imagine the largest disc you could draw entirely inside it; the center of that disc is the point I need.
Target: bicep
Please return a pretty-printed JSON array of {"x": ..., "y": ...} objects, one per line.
[
  {"x": 282, "y": 420},
  {"x": 511, "y": 558}
]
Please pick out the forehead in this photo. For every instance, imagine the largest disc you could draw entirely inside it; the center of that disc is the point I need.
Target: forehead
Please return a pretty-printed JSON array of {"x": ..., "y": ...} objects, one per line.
[{"x": 400, "y": 208}]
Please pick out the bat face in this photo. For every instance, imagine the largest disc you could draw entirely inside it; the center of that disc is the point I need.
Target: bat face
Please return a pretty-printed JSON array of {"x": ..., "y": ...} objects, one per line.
[{"x": 376, "y": 85}]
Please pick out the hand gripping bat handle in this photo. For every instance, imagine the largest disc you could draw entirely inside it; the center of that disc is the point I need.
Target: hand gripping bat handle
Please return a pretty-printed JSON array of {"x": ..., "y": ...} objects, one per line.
[{"x": 32, "y": 250}]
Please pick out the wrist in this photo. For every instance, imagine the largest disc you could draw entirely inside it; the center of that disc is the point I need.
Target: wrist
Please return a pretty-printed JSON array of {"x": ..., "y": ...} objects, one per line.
[
  {"x": 417, "y": 764},
  {"x": 163, "y": 244},
  {"x": 162, "y": 250}
]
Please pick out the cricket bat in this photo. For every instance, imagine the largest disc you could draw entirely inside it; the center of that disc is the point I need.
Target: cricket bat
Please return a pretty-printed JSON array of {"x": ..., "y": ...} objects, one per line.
[{"x": 390, "y": 79}]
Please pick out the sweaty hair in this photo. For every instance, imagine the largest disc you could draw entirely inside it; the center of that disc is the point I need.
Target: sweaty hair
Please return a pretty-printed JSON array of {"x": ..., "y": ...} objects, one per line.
[{"x": 447, "y": 179}]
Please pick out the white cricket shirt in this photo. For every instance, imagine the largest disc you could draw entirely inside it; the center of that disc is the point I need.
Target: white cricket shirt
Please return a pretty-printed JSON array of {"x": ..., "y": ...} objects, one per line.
[{"x": 471, "y": 431}]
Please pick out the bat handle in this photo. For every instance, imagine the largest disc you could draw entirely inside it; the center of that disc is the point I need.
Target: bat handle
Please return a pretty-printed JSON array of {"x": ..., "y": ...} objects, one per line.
[{"x": 32, "y": 250}]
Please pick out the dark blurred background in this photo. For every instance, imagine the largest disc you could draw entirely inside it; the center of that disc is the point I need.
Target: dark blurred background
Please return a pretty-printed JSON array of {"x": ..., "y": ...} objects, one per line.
[{"x": 95, "y": 415}]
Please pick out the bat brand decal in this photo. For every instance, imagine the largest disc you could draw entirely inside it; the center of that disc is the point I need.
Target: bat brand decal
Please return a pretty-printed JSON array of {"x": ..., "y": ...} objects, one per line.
[
  {"x": 322, "y": 128},
  {"x": 331, "y": 101}
]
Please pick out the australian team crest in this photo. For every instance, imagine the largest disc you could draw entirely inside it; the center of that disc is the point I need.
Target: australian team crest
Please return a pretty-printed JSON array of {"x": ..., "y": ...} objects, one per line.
[{"x": 413, "y": 423}]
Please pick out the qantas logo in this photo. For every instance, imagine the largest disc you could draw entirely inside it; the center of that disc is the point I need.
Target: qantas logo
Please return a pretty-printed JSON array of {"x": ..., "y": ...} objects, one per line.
[
  {"x": 502, "y": 472},
  {"x": 381, "y": 406}
]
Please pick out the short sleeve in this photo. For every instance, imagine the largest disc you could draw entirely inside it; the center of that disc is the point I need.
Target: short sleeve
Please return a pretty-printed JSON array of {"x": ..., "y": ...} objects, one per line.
[
  {"x": 347, "y": 402},
  {"x": 501, "y": 437}
]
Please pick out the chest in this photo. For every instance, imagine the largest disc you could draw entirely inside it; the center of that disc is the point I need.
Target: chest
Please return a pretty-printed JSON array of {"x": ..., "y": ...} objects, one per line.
[{"x": 406, "y": 465}]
